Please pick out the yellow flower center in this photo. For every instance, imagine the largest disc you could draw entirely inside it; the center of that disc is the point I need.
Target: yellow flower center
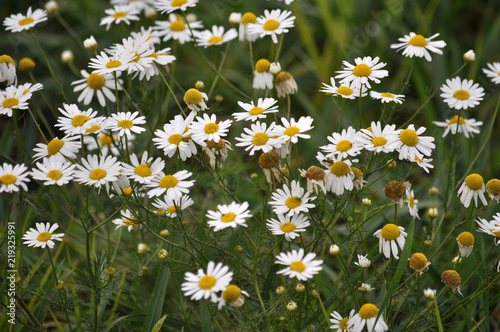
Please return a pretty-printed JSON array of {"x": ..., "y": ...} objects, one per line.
[
  {"x": 262, "y": 65},
  {"x": 412, "y": 201},
  {"x": 6, "y": 59},
  {"x": 131, "y": 222},
  {"x": 271, "y": 25},
  {"x": 8, "y": 179},
  {"x": 362, "y": 70},
  {"x": 92, "y": 129},
  {"x": 495, "y": 232},
  {"x": 215, "y": 40},
  {"x": 344, "y": 146},
  {"x": 343, "y": 323},
  {"x": 461, "y": 95},
  {"x": 418, "y": 261},
  {"x": 466, "y": 239},
  {"x": 168, "y": 181},
  {"x": 113, "y": 64},
  {"x": 54, "y": 174},
  {"x": 256, "y": 111},
  {"x": 106, "y": 139},
  {"x": 54, "y": 146},
  {"x": 260, "y": 139},
  {"x": 44, "y": 237},
  {"x": 387, "y": 95},
  {"x": 193, "y": 97},
  {"x": 248, "y": 17},
  {"x": 127, "y": 191},
  {"x": 95, "y": 81},
  {"x": 417, "y": 40},
  {"x": 297, "y": 266},
  {"x": 172, "y": 209},
  {"x": 344, "y": 90},
  {"x": 493, "y": 186},
  {"x": 409, "y": 137},
  {"x": 10, "y": 102},
  {"x": 175, "y": 139},
  {"x": 357, "y": 173},
  {"x": 231, "y": 294},
  {"x": 153, "y": 55},
  {"x": 142, "y": 170},
  {"x": 451, "y": 278},
  {"x": 474, "y": 182},
  {"x": 136, "y": 57},
  {"x": 79, "y": 120},
  {"x": 390, "y": 232},
  {"x": 125, "y": 124},
  {"x": 177, "y": 26},
  {"x": 368, "y": 311},
  {"x": 178, "y": 3},
  {"x": 97, "y": 174},
  {"x": 292, "y": 131},
  {"x": 293, "y": 202},
  {"x": 456, "y": 119},
  {"x": 339, "y": 169},
  {"x": 379, "y": 141},
  {"x": 26, "y": 21},
  {"x": 211, "y": 128},
  {"x": 228, "y": 217},
  {"x": 287, "y": 227},
  {"x": 119, "y": 15},
  {"x": 207, "y": 282}
]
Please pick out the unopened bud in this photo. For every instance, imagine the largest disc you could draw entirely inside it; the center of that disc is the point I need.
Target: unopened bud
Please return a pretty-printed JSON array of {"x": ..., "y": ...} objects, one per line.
[
  {"x": 280, "y": 290},
  {"x": 199, "y": 85},
  {"x": 334, "y": 249},
  {"x": 235, "y": 18},
  {"x": 469, "y": 56},
  {"x": 300, "y": 288},
  {"x": 67, "y": 56},
  {"x": 275, "y": 68},
  {"x": 164, "y": 233}
]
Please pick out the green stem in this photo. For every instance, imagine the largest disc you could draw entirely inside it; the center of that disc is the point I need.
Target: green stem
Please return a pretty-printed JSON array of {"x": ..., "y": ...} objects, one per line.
[{"x": 59, "y": 290}]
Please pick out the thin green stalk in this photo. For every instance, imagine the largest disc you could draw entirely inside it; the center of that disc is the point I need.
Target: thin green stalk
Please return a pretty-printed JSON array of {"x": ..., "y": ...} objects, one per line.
[
  {"x": 37, "y": 126},
  {"x": 59, "y": 290},
  {"x": 172, "y": 92}
]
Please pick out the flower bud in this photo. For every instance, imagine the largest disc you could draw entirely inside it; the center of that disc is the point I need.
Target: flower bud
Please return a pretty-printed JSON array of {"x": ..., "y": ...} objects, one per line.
[
  {"x": 334, "y": 249},
  {"x": 164, "y": 233},
  {"x": 280, "y": 290},
  {"x": 110, "y": 271},
  {"x": 292, "y": 306},
  {"x": 150, "y": 12},
  {"x": 26, "y": 64},
  {"x": 235, "y": 18},
  {"x": 367, "y": 201},
  {"x": 433, "y": 212},
  {"x": 51, "y": 6},
  {"x": 90, "y": 43},
  {"x": 141, "y": 248},
  {"x": 469, "y": 56},
  {"x": 162, "y": 254},
  {"x": 67, "y": 56},
  {"x": 199, "y": 85},
  {"x": 300, "y": 288},
  {"x": 59, "y": 284},
  {"x": 275, "y": 68}
]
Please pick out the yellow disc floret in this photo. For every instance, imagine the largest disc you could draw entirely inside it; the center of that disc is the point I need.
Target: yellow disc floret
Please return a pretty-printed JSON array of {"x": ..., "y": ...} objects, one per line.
[
  {"x": 418, "y": 40},
  {"x": 344, "y": 146},
  {"x": 345, "y": 91},
  {"x": 293, "y": 202},
  {"x": 418, "y": 261},
  {"x": 193, "y": 97},
  {"x": 466, "y": 239},
  {"x": 368, "y": 311},
  {"x": 8, "y": 179},
  {"x": 260, "y": 139},
  {"x": 207, "y": 282},
  {"x": 44, "y": 236},
  {"x": 288, "y": 227},
  {"x": 339, "y": 169},
  {"x": 461, "y": 95},
  {"x": 362, "y": 70},
  {"x": 390, "y": 232},
  {"x": 54, "y": 146},
  {"x": 143, "y": 170},
  {"x": 95, "y": 81},
  {"x": 262, "y": 65},
  {"x": 474, "y": 182},
  {"x": 228, "y": 217},
  {"x": 168, "y": 181},
  {"x": 97, "y": 174},
  {"x": 271, "y": 25},
  {"x": 409, "y": 137},
  {"x": 297, "y": 266},
  {"x": 231, "y": 294},
  {"x": 54, "y": 174}
]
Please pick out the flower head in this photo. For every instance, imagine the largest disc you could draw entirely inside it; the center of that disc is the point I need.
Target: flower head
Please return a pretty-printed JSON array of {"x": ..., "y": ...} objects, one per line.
[
  {"x": 288, "y": 226},
  {"x": 43, "y": 236},
  {"x": 465, "y": 243},
  {"x": 367, "y": 315},
  {"x": 13, "y": 177},
  {"x": 419, "y": 46},
  {"x": 291, "y": 200},
  {"x": 460, "y": 94},
  {"x": 391, "y": 237},
  {"x": 205, "y": 285},
  {"x": 365, "y": 70},
  {"x": 273, "y": 23},
  {"x": 299, "y": 266},
  {"x": 230, "y": 215},
  {"x": 472, "y": 187},
  {"x": 20, "y": 22}
]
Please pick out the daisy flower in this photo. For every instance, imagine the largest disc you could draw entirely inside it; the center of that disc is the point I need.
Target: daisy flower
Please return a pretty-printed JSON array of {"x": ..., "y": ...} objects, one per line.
[
  {"x": 126, "y": 220},
  {"x": 493, "y": 189},
  {"x": 205, "y": 285},
  {"x": 465, "y": 126},
  {"x": 53, "y": 170},
  {"x": 144, "y": 171},
  {"x": 339, "y": 323},
  {"x": 7, "y": 70},
  {"x": 255, "y": 112},
  {"x": 390, "y": 238},
  {"x": 13, "y": 98},
  {"x": 100, "y": 85},
  {"x": 171, "y": 207},
  {"x": 107, "y": 143},
  {"x": 66, "y": 147},
  {"x": 122, "y": 186},
  {"x": 490, "y": 227},
  {"x": 175, "y": 136},
  {"x": 43, "y": 236},
  {"x": 293, "y": 130},
  {"x": 347, "y": 90},
  {"x": 260, "y": 137},
  {"x": 262, "y": 78},
  {"x": 363, "y": 261},
  {"x": 493, "y": 72},
  {"x": 207, "y": 129},
  {"x": 460, "y": 94},
  {"x": 424, "y": 163},
  {"x": 195, "y": 100},
  {"x": 299, "y": 266},
  {"x": 97, "y": 172},
  {"x": 411, "y": 143},
  {"x": 315, "y": 178},
  {"x": 387, "y": 97},
  {"x": 104, "y": 64},
  {"x": 367, "y": 315},
  {"x": 273, "y": 23},
  {"x": 419, "y": 46},
  {"x": 20, "y": 22},
  {"x": 365, "y": 70},
  {"x": 285, "y": 84},
  {"x": 291, "y": 201},
  {"x": 172, "y": 5},
  {"x": 365, "y": 288},
  {"x": 412, "y": 204},
  {"x": 74, "y": 121},
  {"x": 232, "y": 295},
  {"x": 473, "y": 187},
  {"x": 419, "y": 262},
  {"x": 465, "y": 243},
  {"x": 247, "y": 19},
  {"x": 377, "y": 139},
  {"x": 215, "y": 37},
  {"x": 230, "y": 215},
  {"x": 118, "y": 14},
  {"x": 29, "y": 88},
  {"x": 176, "y": 28},
  {"x": 141, "y": 50},
  {"x": 173, "y": 185},
  {"x": 126, "y": 123},
  {"x": 343, "y": 145},
  {"x": 290, "y": 226},
  {"x": 13, "y": 177},
  {"x": 160, "y": 58},
  {"x": 340, "y": 177}
]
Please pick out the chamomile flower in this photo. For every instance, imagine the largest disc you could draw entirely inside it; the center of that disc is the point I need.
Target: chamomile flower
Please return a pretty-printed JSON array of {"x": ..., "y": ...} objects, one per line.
[
  {"x": 208, "y": 129},
  {"x": 29, "y": 88},
  {"x": 173, "y": 206},
  {"x": 340, "y": 177},
  {"x": 377, "y": 139},
  {"x": 290, "y": 226},
  {"x": 273, "y": 23},
  {"x": 126, "y": 123},
  {"x": 465, "y": 126},
  {"x": 175, "y": 136},
  {"x": 343, "y": 144},
  {"x": 215, "y": 37},
  {"x": 127, "y": 220},
  {"x": 490, "y": 227},
  {"x": 141, "y": 49},
  {"x": 365, "y": 70},
  {"x": 387, "y": 97},
  {"x": 419, "y": 262},
  {"x": 195, "y": 100},
  {"x": 315, "y": 178},
  {"x": 118, "y": 14},
  {"x": 144, "y": 171},
  {"x": 104, "y": 64},
  {"x": 232, "y": 295},
  {"x": 419, "y": 46},
  {"x": 339, "y": 323},
  {"x": 205, "y": 285},
  {"x": 412, "y": 204},
  {"x": 285, "y": 84},
  {"x": 290, "y": 201},
  {"x": 365, "y": 288},
  {"x": 43, "y": 236},
  {"x": 53, "y": 170},
  {"x": 160, "y": 58},
  {"x": 254, "y": 112},
  {"x": 460, "y": 94},
  {"x": 67, "y": 146},
  {"x": 74, "y": 121},
  {"x": 493, "y": 189},
  {"x": 7, "y": 70},
  {"x": 231, "y": 215},
  {"x": 97, "y": 172},
  {"x": 260, "y": 137},
  {"x": 367, "y": 315},
  {"x": 169, "y": 6},
  {"x": 347, "y": 91},
  {"x": 391, "y": 237},
  {"x": 174, "y": 185},
  {"x": 452, "y": 279},
  {"x": 412, "y": 143},
  {"x": 473, "y": 187},
  {"x": 246, "y": 19},
  {"x": 465, "y": 243},
  {"x": 96, "y": 84},
  {"x": 11, "y": 178},
  {"x": 20, "y": 22},
  {"x": 13, "y": 98},
  {"x": 299, "y": 266},
  {"x": 176, "y": 28},
  {"x": 363, "y": 261},
  {"x": 292, "y": 130},
  {"x": 424, "y": 163},
  {"x": 493, "y": 72},
  {"x": 122, "y": 186},
  {"x": 107, "y": 143}
]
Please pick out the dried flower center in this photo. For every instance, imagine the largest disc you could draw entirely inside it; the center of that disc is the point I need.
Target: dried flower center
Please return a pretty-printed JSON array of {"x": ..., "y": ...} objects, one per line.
[
  {"x": 26, "y": 21},
  {"x": 95, "y": 81},
  {"x": 113, "y": 64},
  {"x": 344, "y": 146},
  {"x": 461, "y": 95},
  {"x": 293, "y": 202},
  {"x": 106, "y": 139},
  {"x": 8, "y": 179},
  {"x": 287, "y": 227},
  {"x": 368, "y": 311},
  {"x": 54, "y": 174},
  {"x": 260, "y": 139},
  {"x": 211, "y": 128},
  {"x": 44, "y": 236},
  {"x": 231, "y": 294},
  {"x": 97, "y": 174},
  {"x": 493, "y": 186},
  {"x": 262, "y": 65},
  {"x": 343, "y": 323},
  {"x": 172, "y": 209},
  {"x": 228, "y": 217},
  {"x": 340, "y": 169},
  {"x": 118, "y": 15},
  {"x": 193, "y": 97},
  {"x": 79, "y": 120},
  {"x": 10, "y": 102},
  {"x": 282, "y": 77},
  {"x": 297, "y": 266},
  {"x": 394, "y": 189},
  {"x": 269, "y": 160},
  {"x": 271, "y": 25},
  {"x": 357, "y": 173},
  {"x": 127, "y": 191},
  {"x": 418, "y": 261},
  {"x": 142, "y": 170},
  {"x": 345, "y": 91},
  {"x": 379, "y": 141},
  {"x": 125, "y": 124},
  {"x": 54, "y": 146},
  {"x": 315, "y": 173},
  {"x": 390, "y": 232},
  {"x": 387, "y": 95},
  {"x": 466, "y": 239},
  {"x": 178, "y": 3},
  {"x": 207, "y": 282},
  {"x": 292, "y": 131},
  {"x": 418, "y": 41},
  {"x": 362, "y": 70},
  {"x": 215, "y": 40},
  {"x": 456, "y": 119},
  {"x": 474, "y": 182},
  {"x": 248, "y": 18},
  {"x": 409, "y": 137},
  {"x": 168, "y": 181},
  {"x": 177, "y": 26}
]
